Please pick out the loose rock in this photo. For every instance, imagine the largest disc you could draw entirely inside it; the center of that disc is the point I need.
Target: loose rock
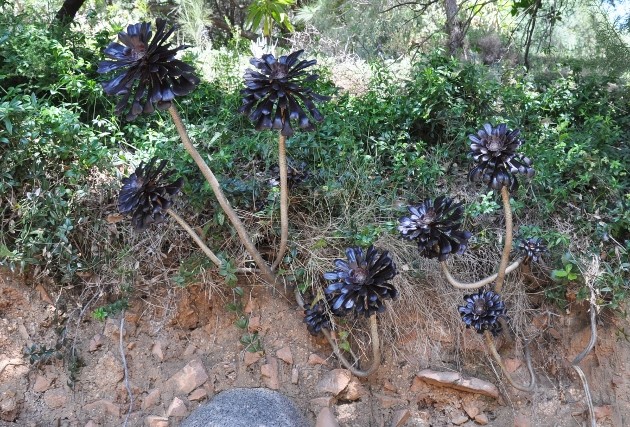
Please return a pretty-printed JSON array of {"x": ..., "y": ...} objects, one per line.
[
  {"x": 481, "y": 419},
  {"x": 151, "y": 399},
  {"x": 460, "y": 419},
  {"x": 96, "y": 342},
  {"x": 354, "y": 391},
  {"x": 56, "y": 398},
  {"x": 42, "y": 383},
  {"x": 177, "y": 408},
  {"x": 189, "y": 377},
  {"x": 285, "y": 355},
  {"x": 334, "y": 381},
  {"x": 155, "y": 421},
  {"x": 103, "y": 406},
  {"x": 269, "y": 372},
  {"x": 401, "y": 417},
  {"x": 157, "y": 351},
  {"x": 198, "y": 394},
  {"x": 459, "y": 382},
  {"x": 9, "y": 406},
  {"x": 295, "y": 375},
  {"x": 251, "y": 358},
  {"x": 315, "y": 359}
]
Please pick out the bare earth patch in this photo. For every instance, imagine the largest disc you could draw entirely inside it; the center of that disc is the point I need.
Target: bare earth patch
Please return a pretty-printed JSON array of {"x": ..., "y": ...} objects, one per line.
[{"x": 181, "y": 347}]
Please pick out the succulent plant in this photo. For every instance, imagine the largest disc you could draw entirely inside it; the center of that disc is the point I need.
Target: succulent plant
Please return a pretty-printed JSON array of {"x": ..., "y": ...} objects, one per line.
[
  {"x": 316, "y": 317},
  {"x": 497, "y": 163},
  {"x": 435, "y": 226},
  {"x": 531, "y": 248},
  {"x": 151, "y": 76},
  {"x": 273, "y": 94},
  {"x": 360, "y": 283},
  {"x": 144, "y": 195},
  {"x": 482, "y": 310}
]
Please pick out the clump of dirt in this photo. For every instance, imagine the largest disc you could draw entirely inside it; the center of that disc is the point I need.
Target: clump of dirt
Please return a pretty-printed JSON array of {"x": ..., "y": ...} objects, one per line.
[{"x": 177, "y": 347}]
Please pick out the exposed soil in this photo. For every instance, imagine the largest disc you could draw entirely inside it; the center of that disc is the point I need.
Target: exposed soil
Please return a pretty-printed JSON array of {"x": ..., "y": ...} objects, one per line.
[{"x": 181, "y": 347}]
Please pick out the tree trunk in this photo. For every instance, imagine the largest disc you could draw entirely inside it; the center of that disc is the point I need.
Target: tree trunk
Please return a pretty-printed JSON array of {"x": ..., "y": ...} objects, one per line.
[
  {"x": 454, "y": 27},
  {"x": 68, "y": 11}
]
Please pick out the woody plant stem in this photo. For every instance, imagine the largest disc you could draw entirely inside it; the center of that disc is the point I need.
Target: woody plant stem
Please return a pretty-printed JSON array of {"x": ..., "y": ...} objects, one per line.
[
  {"x": 265, "y": 271},
  {"x": 284, "y": 201}
]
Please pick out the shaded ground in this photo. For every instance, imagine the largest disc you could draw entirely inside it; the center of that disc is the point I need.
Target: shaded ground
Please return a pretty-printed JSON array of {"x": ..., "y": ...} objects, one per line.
[{"x": 181, "y": 347}]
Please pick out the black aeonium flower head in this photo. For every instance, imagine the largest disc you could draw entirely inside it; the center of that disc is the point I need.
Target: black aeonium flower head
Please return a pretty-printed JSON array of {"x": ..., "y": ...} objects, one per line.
[
  {"x": 482, "y": 310},
  {"x": 145, "y": 197},
  {"x": 494, "y": 151},
  {"x": 150, "y": 71},
  {"x": 435, "y": 224},
  {"x": 531, "y": 248},
  {"x": 316, "y": 317},
  {"x": 360, "y": 282},
  {"x": 273, "y": 94}
]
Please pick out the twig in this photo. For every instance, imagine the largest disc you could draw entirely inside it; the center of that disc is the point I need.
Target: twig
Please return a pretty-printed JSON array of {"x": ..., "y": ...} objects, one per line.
[
  {"x": 206, "y": 250},
  {"x": 265, "y": 271},
  {"x": 376, "y": 351},
  {"x": 124, "y": 362},
  {"x": 479, "y": 283},
  {"x": 507, "y": 245},
  {"x": 528, "y": 360},
  {"x": 284, "y": 201}
]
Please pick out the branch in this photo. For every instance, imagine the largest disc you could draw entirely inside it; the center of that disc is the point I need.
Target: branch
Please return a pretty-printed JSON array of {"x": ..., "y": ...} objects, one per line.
[
  {"x": 284, "y": 200},
  {"x": 507, "y": 245},
  {"x": 266, "y": 272},
  {"x": 528, "y": 360},
  {"x": 479, "y": 283},
  {"x": 424, "y": 6},
  {"x": 206, "y": 250},
  {"x": 376, "y": 351}
]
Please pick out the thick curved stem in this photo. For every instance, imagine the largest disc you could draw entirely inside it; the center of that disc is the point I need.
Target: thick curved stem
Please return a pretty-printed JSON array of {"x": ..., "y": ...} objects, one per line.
[
  {"x": 507, "y": 246},
  {"x": 265, "y": 271},
  {"x": 479, "y": 283},
  {"x": 284, "y": 201},
  {"x": 376, "y": 351},
  {"x": 528, "y": 360},
  {"x": 206, "y": 250}
]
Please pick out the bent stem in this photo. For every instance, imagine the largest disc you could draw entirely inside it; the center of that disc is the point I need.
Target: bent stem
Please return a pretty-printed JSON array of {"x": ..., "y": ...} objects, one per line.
[
  {"x": 284, "y": 201},
  {"x": 206, "y": 250},
  {"x": 528, "y": 360},
  {"x": 265, "y": 271},
  {"x": 376, "y": 351},
  {"x": 591, "y": 343},
  {"x": 478, "y": 284},
  {"x": 507, "y": 247}
]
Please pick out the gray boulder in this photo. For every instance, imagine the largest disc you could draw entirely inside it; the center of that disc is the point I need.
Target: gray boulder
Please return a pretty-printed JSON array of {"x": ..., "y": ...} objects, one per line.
[{"x": 247, "y": 407}]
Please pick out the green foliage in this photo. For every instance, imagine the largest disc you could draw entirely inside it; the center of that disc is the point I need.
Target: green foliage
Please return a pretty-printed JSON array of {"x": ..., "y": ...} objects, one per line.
[
  {"x": 111, "y": 309},
  {"x": 266, "y": 13}
]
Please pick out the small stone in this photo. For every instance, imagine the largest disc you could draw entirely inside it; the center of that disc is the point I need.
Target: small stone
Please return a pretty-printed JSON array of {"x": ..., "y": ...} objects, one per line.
[
  {"x": 9, "y": 406},
  {"x": 285, "y": 355},
  {"x": 96, "y": 342},
  {"x": 387, "y": 401},
  {"x": 512, "y": 364},
  {"x": 250, "y": 307},
  {"x": 56, "y": 398},
  {"x": 190, "y": 350},
  {"x": 460, "y": 419},
  {"x": 604, "y": 411},
  {"x": 401, "y": 417},
  {"x": 325, "y": 418},
  {"x": 177, "y": 408},
  {"x": 481, "y": 419},
  {"x": 198, "y": 394},
  {"x": 295, "y": 375},
  {"x": 459, "y": 382},
  {"x": 190, "y": 377},
  {"x": 151, "y": 399},
  {"x": 155, "y": 421},
  {"x": 471, "y": 410},
  {"x": 388, "y": 386},
  {"x": 353, "y": 391},
  {"x": 251, "y": 358},
  {"x": 103, "y": 406},
  {"x": 269, "y": 372},
  {"x": 254, "y": 324},
  {"x": 334, "y": 381},
  {"x": 42, "y": 383},
  {"x": 315, "y": 359},
  {"x": 91, "y": 423},
  {"x": 44, "y": 295},
  {"x": 157, "y": 351},
  {"x": 554, "y": 333}
]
